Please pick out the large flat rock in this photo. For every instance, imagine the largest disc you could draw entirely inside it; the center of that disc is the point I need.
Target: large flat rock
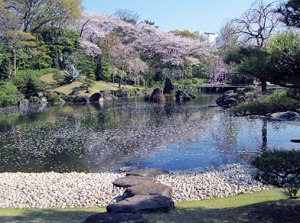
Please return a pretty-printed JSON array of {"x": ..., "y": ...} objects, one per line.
[
  {"x": 148, "y": 188},
  {"x": 131, "y": 181},
  {"x": 115, "y": 218},
  {"x": 141, "y": 204},
  {"x": 151, "y": 172}
]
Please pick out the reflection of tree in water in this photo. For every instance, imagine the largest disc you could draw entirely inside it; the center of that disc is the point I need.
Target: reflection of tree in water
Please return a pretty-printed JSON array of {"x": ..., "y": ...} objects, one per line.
[
  {"x": 225, "y": 135},
  {"x": 264, "y": 135},
  {"x": 142, "y": 130},
  {"x": 42, "y": 146}
]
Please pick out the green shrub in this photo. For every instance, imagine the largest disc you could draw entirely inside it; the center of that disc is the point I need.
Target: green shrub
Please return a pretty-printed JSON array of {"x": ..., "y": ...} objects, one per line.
[
  {"x": 294, "y": 93},
  {"x": 72, "y": 74},
  {"x": 280, "y": 168},
  {"x": 59, "y": 77},
  {"x": 28, "y": 84},
  {"x": 278, "y": 101},
  {"x": 9, "y": 94},
  {"x": 53, "y": 97},
  {"x": 37, "y": 73}
]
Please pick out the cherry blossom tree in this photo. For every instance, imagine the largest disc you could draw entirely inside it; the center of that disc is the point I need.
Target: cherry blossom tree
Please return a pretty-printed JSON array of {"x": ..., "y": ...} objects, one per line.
[{"x": 139, "y": 44}]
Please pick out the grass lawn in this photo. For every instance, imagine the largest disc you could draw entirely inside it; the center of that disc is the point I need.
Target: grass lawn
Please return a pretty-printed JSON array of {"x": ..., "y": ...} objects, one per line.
[{"x": 264, "y": 206}]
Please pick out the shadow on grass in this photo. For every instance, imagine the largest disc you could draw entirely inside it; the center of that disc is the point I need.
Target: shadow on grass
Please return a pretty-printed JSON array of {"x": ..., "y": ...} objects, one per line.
[
  {"x": 48, "y": 215},
  {"x": 281, "y": 211}
]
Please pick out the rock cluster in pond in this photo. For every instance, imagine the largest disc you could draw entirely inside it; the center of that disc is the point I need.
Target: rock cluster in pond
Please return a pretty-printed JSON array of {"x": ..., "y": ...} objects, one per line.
[
  {"x": 142, "y": 194},
  {"x": 288, "y": 115},
  {"x": 230, "y": 98},
  {"x": 159, "y": 95}
]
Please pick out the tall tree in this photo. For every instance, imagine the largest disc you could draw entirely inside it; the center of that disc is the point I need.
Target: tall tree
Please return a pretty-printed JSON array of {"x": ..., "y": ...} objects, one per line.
[
  {"x": 254, "y": 28},
  {"x": 184, "y": 33},
  {"x": 34, "y": 14},
  {"x": 291, "y": 13},
  {"x": 127, "y": 15},
  {"x": 285, "y": 65}
]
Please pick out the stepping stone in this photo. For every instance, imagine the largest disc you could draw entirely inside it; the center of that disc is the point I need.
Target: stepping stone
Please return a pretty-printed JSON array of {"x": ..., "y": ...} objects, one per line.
[
  {"x": 151, "y": 172},
  {"x": 141, "y": 204},
  {"x": 128, "y": 168},
  {"x": 148, "y": 188},
  {"x": 115, "y": 218},
  {"x": 131, "y": 181}
]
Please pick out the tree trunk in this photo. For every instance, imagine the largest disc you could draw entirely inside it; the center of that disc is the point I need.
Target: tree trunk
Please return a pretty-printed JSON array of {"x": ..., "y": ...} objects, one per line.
[
  {"x": 14, "y": 63},
  {"x": 263, "y": 85}
]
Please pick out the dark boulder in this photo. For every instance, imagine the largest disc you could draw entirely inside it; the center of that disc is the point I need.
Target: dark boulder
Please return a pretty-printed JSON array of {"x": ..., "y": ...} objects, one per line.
[
  {"x": 288, "y": 115},
  {"x": 182, "y": 96},
  {"x": 142, "y": 204},
  {"x": 106, "y": 94},
  {"x": 115, "y": 218},
  {"x": 75, "y": 92},
  {"x": 169, "y": 87},
  {"x": 157, "y": 95},
  {"x": 95, "y": 97},
  {"x": 81, "y": 99}
]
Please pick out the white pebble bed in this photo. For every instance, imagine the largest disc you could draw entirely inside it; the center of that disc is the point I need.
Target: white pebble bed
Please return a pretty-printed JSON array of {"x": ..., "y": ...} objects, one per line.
[{"x": 47, "y": 190}]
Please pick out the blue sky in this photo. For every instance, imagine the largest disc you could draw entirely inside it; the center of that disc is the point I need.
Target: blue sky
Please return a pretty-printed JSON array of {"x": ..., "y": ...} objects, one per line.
[{"x": 192, "y": 15}]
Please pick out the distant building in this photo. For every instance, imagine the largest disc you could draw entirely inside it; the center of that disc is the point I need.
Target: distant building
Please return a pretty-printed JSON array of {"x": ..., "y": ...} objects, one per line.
[{"x": 206, "y": 36}]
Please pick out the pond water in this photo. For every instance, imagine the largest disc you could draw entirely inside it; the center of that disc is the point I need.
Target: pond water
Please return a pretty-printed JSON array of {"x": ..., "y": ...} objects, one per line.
[{"x": 104, "y": 137}]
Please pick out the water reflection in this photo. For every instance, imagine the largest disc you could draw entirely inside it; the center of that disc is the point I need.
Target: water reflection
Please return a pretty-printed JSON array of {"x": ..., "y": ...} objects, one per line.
[{"x": 103, "y": 137}]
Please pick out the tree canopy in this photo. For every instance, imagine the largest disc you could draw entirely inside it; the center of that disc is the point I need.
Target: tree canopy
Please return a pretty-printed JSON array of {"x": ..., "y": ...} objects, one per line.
[
  {"x": 32, "y": 15},
  {"x": 291, "y": 13}
]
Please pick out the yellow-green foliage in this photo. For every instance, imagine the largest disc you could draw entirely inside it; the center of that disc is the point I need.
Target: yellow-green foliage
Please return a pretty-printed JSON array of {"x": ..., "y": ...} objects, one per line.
[{"x": 276, "y": 102}]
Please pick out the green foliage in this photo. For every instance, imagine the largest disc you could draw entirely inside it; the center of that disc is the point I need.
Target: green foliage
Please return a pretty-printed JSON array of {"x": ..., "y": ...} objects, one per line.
[
  {"x": 294, "y": 93},
  {"x": 88, "y": 82},
  {"x": 9, "y": 94},
  {"x": 72, "y": 74},
  {"x": 61, "y": 43},
  {"x": 291, "y": 13},
  {"x": 34, "y": 15},
  {"x": 187, "y": 69},
  {"x": 28, "y": 83},
  {"x": 191, "y": 82},
  {"x": 37, "y": 73},
  {"x": 284, "y": 64},
  {"x": 53, "y": 97},
  {"x": 103, "y": 70},
  {"x": 184, "y": 33},
  {"x": 280, "y": 168},
  {"x": 59, "y": 77},
  {"x": 278, "y": 101}
]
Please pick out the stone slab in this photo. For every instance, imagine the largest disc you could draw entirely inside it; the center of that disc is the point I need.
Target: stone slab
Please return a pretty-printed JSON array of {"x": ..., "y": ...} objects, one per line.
[
  {"x": 151, "y": 172},
  {"x": 142, "y": 204},
  {"x": 148, "y": 188},
  {"x": 131, "y": 181}
]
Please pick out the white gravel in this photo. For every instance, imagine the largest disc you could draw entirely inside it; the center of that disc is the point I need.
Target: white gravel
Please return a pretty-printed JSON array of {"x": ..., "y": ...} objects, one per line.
[{"x": 45, "y": 190}]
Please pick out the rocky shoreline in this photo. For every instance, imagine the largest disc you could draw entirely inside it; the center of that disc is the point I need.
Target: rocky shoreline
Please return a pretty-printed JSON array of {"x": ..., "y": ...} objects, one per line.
[{"x": 48, "y": 190}]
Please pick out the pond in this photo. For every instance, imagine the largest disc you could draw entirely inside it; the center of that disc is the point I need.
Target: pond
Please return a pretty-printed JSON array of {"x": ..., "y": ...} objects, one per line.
[{"x": 104, "y": 137}]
